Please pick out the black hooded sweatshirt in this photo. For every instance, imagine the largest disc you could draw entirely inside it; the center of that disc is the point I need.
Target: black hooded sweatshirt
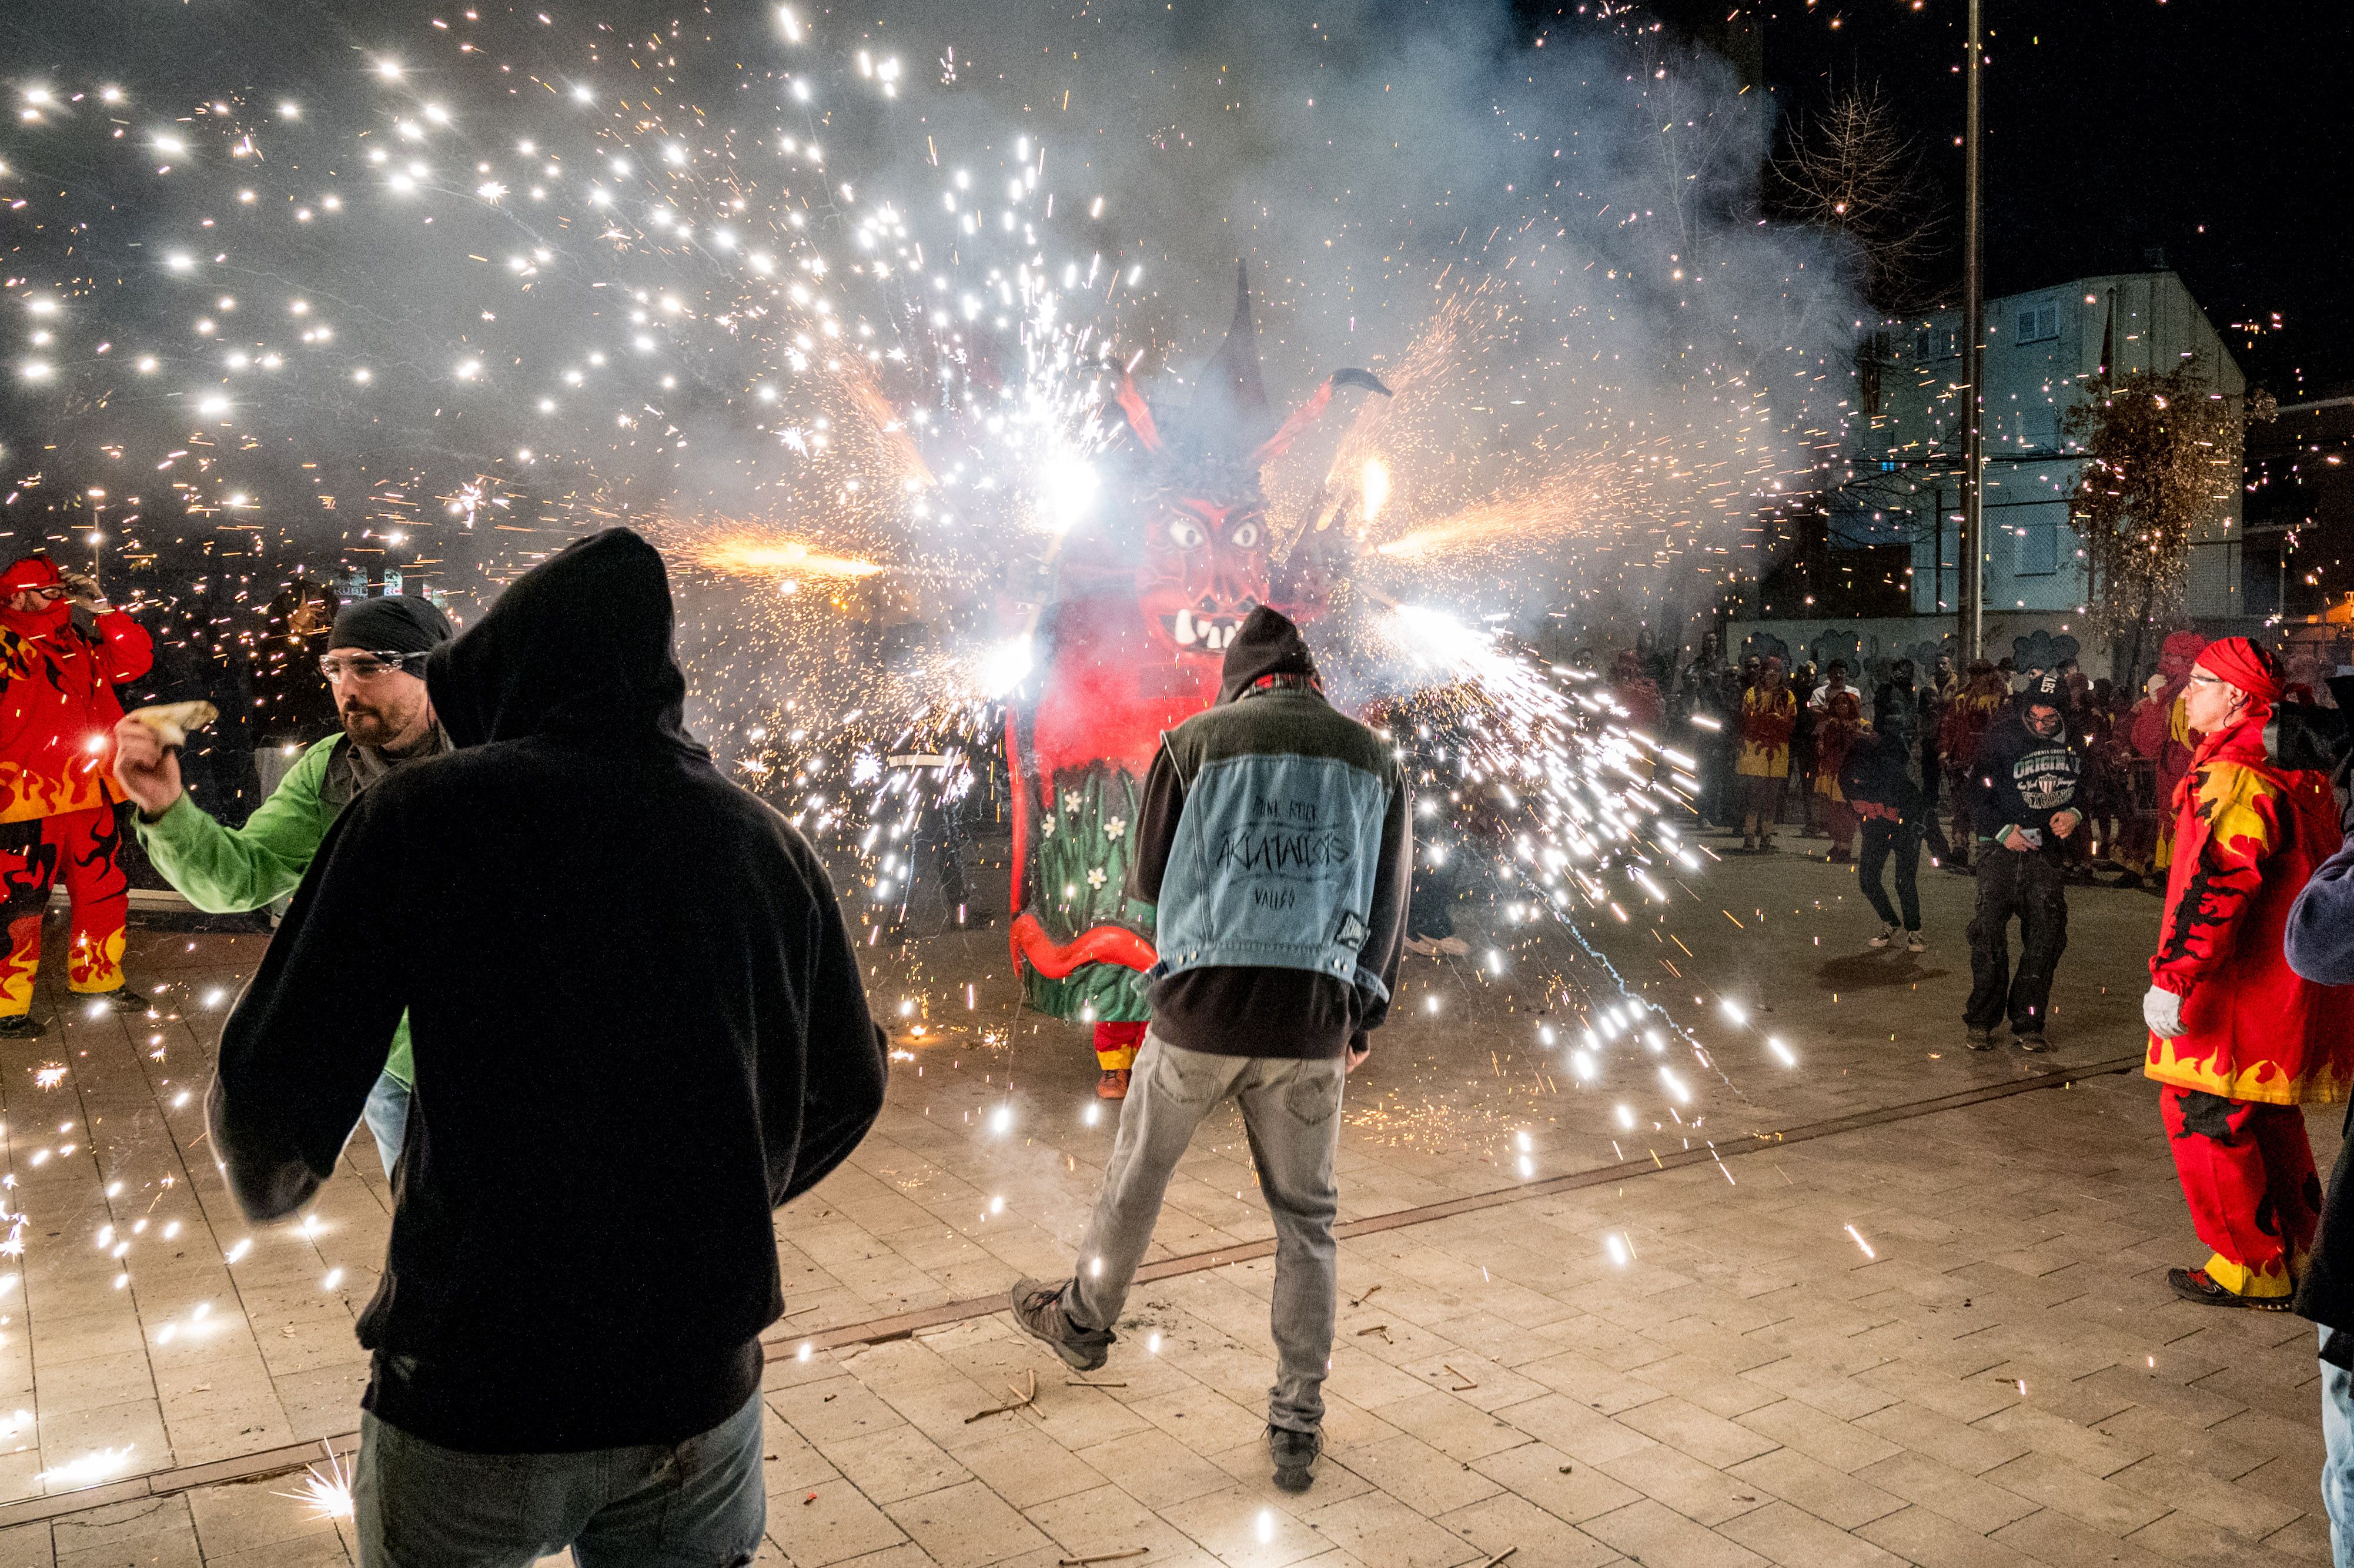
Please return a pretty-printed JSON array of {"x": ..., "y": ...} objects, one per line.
[
  {"x": 638, "y": 1027},
  {"x": 1269, "y": 702},
  {"x": 2024, "y": 779}
]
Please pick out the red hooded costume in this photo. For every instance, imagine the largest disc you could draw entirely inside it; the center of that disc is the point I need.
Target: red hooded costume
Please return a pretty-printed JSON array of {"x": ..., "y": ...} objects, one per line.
[
  {"x": 58, "y": 714},
  {"x": 2257, "y": 1039}
]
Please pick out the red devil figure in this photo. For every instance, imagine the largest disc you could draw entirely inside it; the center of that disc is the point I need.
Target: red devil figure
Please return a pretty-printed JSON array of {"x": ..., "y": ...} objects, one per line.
[
  {"x": 58, "y": 710},
  {"x": 1144, "y": 602}
]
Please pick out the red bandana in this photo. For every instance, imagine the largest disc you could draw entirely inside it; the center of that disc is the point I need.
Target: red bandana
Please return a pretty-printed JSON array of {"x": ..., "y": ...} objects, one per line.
[{"x": 2244, "y": 665}]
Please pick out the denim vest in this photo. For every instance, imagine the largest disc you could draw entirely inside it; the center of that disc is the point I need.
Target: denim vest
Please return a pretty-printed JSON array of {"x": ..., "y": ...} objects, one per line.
[{"x": 1273, "y": 866}]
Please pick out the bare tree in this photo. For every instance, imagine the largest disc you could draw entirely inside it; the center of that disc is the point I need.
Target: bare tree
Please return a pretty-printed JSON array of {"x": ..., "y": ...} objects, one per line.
[
  {"x": 1851, "y": 167},
  {"x": 2162, "y": 456}
]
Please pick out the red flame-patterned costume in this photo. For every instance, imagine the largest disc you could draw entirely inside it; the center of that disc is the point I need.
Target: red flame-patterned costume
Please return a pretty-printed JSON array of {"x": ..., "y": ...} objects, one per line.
[
  {"x": 58, "y": 712},
  {"x": 1144, "y": 601},
  {"x": 2257, "y": 1039}
]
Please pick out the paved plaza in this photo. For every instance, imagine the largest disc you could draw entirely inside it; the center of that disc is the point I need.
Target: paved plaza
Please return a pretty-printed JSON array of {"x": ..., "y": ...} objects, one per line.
[{"x": 1784, "y": 1276}]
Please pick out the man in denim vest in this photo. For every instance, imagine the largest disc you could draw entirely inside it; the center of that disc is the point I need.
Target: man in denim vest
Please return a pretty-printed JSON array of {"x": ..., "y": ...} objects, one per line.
[{"x": 1276, "y": 837}]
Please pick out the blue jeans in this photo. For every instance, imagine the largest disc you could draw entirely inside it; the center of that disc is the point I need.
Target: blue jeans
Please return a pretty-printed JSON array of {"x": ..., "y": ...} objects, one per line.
[
  {"x": 1291, "y": 1116},
  {"x": 696, "y": 1504},
  {"x": 387, "y": 1115},
  {"x": 2337, "y": 1458}
]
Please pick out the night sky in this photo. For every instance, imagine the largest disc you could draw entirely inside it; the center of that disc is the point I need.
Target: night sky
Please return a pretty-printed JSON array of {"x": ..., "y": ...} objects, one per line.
[{"x": 2217, "y": 130}]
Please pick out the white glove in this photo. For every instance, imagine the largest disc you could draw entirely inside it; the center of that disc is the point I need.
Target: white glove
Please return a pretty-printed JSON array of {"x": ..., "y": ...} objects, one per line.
[{"x": 2162, "y": 1010}]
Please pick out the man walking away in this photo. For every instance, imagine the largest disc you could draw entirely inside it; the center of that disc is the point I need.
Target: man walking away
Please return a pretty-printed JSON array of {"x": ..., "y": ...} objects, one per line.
[
  {"x": 2023, "y": 791},
  {"x": 639, "y": 1028},
  {"x": 1878, "y": 782},
  {"x": 374, "y": 665},
  {"x": 1276, "y": 837},
  {"x": 2239, "y": 1039}
]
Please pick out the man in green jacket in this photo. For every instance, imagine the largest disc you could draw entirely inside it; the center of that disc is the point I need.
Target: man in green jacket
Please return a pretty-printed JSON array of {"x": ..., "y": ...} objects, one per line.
[{"x": 376, "y": 664}]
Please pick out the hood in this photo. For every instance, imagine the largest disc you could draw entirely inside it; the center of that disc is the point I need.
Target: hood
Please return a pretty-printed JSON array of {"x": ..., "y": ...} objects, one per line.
[
  {"x": 2045, "y": 688},
  {"x": 33, "y": 571},
  {"x": 579, "y": 647},
  {"x": 1266, "y": 644}
]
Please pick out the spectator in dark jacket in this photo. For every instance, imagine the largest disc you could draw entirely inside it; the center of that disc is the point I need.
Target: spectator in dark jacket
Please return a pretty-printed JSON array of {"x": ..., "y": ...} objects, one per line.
[
  {"x": 1878, "y": 782},
  {"x": 639, "y": 1028},
  {"x": 1276, "y": 838},
  {"x": 2022, "y": 788},
  {"x": 2319, "y": 942}
]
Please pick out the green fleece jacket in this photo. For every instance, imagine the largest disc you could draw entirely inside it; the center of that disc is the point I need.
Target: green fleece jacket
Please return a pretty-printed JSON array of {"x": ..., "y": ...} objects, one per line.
[{"x": 225, "y": 871}]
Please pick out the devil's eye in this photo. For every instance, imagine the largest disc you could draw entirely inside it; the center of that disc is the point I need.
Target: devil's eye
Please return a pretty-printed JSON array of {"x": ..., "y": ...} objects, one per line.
[
  {"x": 1245, "y": 536},
  {"x": 1186, "y": 534}
]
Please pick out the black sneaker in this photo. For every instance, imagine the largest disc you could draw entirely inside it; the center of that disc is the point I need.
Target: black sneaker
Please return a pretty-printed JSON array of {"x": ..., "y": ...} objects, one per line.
[
  {"x": 1981, "y": 1039},
  {"x": 124, "y": 1000},
  {"x": 1887, "y": 935},
  {"x": 21, "y": 1027},
  {"x": 2196, "y": 1285},
  {"x": 1038, "y": 1308},
  {"x": 2033, "y": 1040},
  {"x": 1295, "y": 1455}
]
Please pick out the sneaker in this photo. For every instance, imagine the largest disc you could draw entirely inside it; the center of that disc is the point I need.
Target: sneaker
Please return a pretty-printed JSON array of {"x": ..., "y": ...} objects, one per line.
[
  {"x": 124, "y": 1000},
  {"x": 1749, "y": 844},
  {"x": 1887, "y": 935},
  {"x": 1981, "y": 1040},
  {"x": 20, "y": 1026},
  {"x": 1112, "y": 1084},
  {"x": 2033, "y": 1040},
  {"x": 2194, "y": 1285},
  {"x": 1038, "y": 1308},
  {"x": 1914, "y": 943},
  {"x": 1295, "y": 1455}
]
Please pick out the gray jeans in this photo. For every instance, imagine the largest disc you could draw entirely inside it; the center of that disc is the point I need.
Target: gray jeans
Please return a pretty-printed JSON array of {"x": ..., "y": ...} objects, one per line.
[
  {"x": 698, "y": 1504},
  {"x": 1292, "y": 1112}
]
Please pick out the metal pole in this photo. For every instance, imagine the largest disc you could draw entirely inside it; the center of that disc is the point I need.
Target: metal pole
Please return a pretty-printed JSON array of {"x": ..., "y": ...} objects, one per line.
[{"x": 1973, "y": 541}]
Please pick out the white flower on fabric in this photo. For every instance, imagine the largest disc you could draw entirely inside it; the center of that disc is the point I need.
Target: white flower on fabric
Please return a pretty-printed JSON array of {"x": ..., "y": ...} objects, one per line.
[
  {"x": 1046, "y": 827},
  {"x": 1116, "y": 829},
  {"x": 1071, "y": 801},
  {"x": 1094, "y": 876}
]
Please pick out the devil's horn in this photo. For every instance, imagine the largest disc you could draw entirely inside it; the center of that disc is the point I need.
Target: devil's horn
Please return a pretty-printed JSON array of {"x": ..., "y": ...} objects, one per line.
[
  {"x": 1308, "y": 413},
  {"x": 1136, "y": 415}
]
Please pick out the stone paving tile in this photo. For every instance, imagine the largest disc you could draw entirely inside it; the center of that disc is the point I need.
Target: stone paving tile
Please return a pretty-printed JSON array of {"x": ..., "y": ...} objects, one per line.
[{"x": 1755, "y": 1387}]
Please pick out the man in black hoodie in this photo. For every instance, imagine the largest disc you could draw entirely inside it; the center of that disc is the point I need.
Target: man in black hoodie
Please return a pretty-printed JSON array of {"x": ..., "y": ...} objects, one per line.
[
  {"x": 639, "y": 1028},
  {"x": 1276, "y": 837},
  {"x": 2022, "y": 791}
]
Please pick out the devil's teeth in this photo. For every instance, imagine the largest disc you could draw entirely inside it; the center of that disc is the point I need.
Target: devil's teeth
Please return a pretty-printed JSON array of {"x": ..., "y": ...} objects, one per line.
[{"x": 1185, "y": 637}]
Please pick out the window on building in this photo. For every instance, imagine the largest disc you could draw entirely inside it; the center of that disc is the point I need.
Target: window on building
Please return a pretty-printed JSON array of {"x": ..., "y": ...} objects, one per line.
[
  {"x": 2038, "y": 322},
  {"x": 2038, "y": 549},
  {"x": 1936, "y": 342}
]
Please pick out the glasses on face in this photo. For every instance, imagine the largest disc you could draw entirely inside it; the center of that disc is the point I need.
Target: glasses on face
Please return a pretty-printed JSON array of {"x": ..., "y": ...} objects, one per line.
[
  {"x": 46, "y": 590},
  {"x": 363, "y": 666},
  {"x": 2201, "y": 678}
]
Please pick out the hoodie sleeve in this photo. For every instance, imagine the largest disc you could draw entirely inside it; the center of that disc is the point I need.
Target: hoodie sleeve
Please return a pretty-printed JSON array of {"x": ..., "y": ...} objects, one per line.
[
  {"x": 832, "y": 1056},
  {"x": 1156, "y": 825},
  {"x": 128, "y": 652},
  {"x": 2320, "y": 935},
  {"x": 1386, "y": 930},
  {"x": 308, "y": 1039}
]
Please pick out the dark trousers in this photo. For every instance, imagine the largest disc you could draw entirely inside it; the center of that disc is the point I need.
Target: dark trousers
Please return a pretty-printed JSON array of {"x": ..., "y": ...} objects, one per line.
[
  {"x": 1882, "y": 838},
  {"x": 2033, "y": 887}
]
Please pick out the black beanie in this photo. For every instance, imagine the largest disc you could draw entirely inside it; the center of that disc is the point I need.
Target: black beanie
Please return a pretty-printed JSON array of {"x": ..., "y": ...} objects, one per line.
[{"x": 395, "y": 624}]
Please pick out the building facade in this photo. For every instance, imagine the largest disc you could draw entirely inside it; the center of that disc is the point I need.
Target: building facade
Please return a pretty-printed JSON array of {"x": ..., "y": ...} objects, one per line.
[{"x": 1902, "y": 479}]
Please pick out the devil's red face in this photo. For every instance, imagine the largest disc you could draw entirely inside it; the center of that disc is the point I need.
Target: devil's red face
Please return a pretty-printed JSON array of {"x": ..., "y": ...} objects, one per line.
[{"x": 1205, "y": 570}]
